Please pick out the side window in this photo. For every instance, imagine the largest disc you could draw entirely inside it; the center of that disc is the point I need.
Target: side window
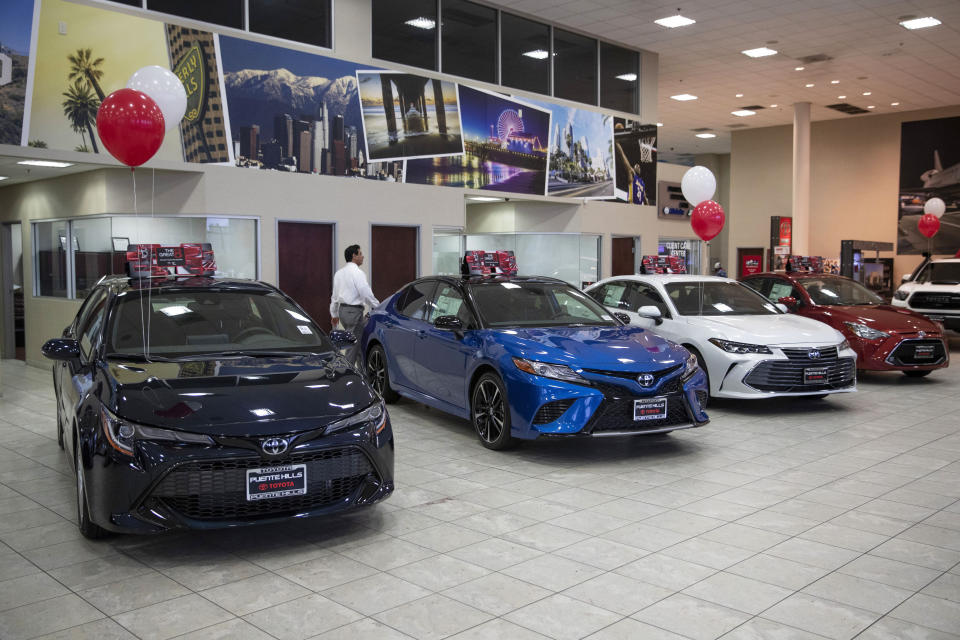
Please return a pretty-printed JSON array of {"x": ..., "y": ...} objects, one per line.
[
  {"x": 644, "y": 295},
  {"x": 85, "y": 309},
  {"x": 450, "y": 302},
  {"x": 780, "y": 289},
  {"x": 90, "y": 325},
  {"x": 611, "y": 295},
  {"x": 574, "y": 309},
  {"x": 413, "y": 302},
  {"x": 760, "y": 285}
]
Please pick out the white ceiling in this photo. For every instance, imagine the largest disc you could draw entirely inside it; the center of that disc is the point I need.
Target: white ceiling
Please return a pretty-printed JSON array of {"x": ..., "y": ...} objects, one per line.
[{"x": 869, "y": 51}]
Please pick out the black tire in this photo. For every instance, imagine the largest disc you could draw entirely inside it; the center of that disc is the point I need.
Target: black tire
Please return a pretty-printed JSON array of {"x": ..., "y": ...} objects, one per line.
[
  {"x": 377, "y": 374},
  {"x": 490, "y": 413},
  {"x": 87, "y": 527},
  {"x": 917, "y": 374},
  {"x": 703, "y": 365},
  {"x": 60, "y": 427}
]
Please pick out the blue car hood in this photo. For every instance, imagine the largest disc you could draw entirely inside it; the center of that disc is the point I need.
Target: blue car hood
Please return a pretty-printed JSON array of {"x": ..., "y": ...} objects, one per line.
[{"x": 606, "y": 348}]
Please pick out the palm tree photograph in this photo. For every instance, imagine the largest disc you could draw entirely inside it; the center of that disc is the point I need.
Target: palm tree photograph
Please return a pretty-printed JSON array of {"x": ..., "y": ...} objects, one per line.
[
  {"x": 83, "y": 66},
  {"x": 80, "y": 108}
]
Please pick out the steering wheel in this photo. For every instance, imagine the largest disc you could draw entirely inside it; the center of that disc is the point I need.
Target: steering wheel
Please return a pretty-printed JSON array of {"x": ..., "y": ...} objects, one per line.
[{"x": 250, "y": 331}]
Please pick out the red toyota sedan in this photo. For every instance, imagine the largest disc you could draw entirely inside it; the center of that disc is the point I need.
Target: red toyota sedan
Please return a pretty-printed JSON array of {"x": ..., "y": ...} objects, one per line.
[{"x": 886, "y": 338}]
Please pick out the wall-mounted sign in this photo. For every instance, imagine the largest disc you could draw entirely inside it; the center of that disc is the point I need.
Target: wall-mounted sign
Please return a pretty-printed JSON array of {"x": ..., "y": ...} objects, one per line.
[{"x": 193, "y": 74}]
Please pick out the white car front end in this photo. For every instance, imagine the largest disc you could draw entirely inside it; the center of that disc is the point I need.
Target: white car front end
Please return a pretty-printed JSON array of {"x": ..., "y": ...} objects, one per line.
[{"x": 939, "y": 302}]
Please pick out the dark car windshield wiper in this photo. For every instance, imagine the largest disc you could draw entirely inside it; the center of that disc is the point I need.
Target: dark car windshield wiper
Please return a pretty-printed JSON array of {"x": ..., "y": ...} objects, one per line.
[
  {"x": 254, "y": 353},
  {"x": 138, "y": 357}
]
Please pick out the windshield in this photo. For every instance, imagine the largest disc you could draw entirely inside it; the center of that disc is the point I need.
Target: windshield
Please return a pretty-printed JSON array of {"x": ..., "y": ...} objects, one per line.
[
  {"x": 537, "y": 304},
  {"x": 193, "y": 322},
  {"x": 717, "y": 299},
  {"x": 839, "y": 291},
  {"x": 941, "y": 273}
]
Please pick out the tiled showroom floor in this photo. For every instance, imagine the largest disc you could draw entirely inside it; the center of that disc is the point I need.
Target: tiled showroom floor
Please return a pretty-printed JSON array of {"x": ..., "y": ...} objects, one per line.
[{"x": 790, "y": 519}]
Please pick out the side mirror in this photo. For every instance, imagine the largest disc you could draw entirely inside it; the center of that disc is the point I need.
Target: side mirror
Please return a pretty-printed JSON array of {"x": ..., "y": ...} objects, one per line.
[
  {"x": 622, "y": 317},
  {"x": 449, "y": 323},
  {"x": 64, "y": 349},
  {"x": 907, "y": 277},
  {"x": 342, "y": 338},
  {"x": 652, "y": 312},
  {"x": 789, "y": 302}
]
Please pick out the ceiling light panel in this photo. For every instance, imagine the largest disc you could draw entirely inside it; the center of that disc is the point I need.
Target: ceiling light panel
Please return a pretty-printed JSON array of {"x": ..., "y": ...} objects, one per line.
[
  {"x": 743, "y": 113},
  {"x": 706, "y": 135},
  {"x": 683, "y": 97},
  {"x": 920, "y": 23},
  {"x": 629, "y": 77},
  {"x": 759, "y": 52},
  {"x": 537, "y": 54},
  {"x": 46, "y": 163},
  {"x": 675, "y": 21}
]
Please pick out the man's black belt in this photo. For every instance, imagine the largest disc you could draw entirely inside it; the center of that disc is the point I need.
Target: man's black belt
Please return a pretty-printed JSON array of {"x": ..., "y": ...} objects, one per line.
[{"x": 355, "y": 306}]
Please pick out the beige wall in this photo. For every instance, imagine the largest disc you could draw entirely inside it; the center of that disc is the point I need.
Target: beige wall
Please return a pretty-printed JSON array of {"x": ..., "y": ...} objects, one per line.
[{"x": 854, "y": 182}]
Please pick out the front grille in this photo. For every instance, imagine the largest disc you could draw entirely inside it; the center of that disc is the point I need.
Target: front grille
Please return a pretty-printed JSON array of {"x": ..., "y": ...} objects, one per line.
[
  {"x": 552, "y": 411},
  {"x": 805, "y": 354},
  {"x": 616, "y": 414},
  {"x": 216, "y": 489},
  {"x": 632, "y": 375},
  {"x": 931, "y": 300},
  {"x": 905, "y": 353},
  {"x": 787, "y": 375}
]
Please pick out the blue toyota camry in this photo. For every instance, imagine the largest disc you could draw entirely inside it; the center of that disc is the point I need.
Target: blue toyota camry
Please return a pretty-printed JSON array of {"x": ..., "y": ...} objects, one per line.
[{"x": 523, "y": 357}]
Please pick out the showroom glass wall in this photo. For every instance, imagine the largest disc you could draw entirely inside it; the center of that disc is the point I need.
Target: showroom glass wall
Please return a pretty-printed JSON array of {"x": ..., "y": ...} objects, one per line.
[
  {"x": 573, "y": 257},
  {"x": 684, "y": 248},
  {"x": 71, "y": 255},
  {"x": 472, "y": 40}
]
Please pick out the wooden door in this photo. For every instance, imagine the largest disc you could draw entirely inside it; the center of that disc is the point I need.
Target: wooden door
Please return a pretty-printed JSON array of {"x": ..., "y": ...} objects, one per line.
[
  {"x": 393, "y": 258},
  {"x": 749, "y": 261},
  {"x": 305, "y": 266},
  {"x": 624, "y": 262}
]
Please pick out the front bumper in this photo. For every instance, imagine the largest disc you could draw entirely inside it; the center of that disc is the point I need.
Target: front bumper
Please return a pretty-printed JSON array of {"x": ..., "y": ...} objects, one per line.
[
  {"x": 544, "y": 407},
  {"x": 899, "y": 353},
  {"x": 168, "y": 486},
  {"x": 754, "y": 376}
]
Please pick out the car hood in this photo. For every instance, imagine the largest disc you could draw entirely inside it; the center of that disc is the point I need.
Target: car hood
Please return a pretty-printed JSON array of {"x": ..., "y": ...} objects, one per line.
[
  {"x": 932, "y": 287},
  {"x": 883, "y": 317},
  {"x": 780, "y": 329},
  {"x": 237, "y": 396},
  {"x": 608, "y": 348}
]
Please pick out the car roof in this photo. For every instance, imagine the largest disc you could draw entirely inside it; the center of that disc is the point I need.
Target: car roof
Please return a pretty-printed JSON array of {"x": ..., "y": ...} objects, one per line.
[
  {"x": 665, "y": 278},
  {"x": 493, "y": 278},
  {"x": 123, "y": 283}
]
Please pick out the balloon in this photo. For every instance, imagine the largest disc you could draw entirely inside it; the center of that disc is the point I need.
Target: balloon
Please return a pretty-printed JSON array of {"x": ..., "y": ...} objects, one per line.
[
  {"x": 707, "y": 220},
  {"x": 928, "y": 225},
  {"x": 698, "y": 185},
  {"x": 165, "y": 89},
  {"x": 935, "y": 207},
  {"x": 131, "y": 126}
]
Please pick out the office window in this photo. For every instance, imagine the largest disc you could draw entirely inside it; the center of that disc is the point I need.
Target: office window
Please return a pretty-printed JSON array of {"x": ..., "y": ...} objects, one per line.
[
  {"x": 574, "y": 67},
  {"x": 305, "y": 21},
  {"x": 50, "y": 242},
  {"x": 229, "y": 13},
  {"x": 93, "y": 253},
  {"x": 406, "y": 32},
  {"x": 469, "y": 40},
  {"x": 524, "y": 54},
  {"x": 619, "y": 78}
]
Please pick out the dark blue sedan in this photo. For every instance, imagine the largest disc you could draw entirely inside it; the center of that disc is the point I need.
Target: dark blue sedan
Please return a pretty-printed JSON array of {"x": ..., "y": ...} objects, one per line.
[{"x": 523, "y": 357}]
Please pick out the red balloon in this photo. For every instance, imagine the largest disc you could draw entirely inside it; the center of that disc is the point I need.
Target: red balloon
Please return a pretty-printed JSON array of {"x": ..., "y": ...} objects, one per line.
[
  {"x": 928, "y": 225},
  {"x": 707, "y": 220},
  {"x": 131, "y": 126}
]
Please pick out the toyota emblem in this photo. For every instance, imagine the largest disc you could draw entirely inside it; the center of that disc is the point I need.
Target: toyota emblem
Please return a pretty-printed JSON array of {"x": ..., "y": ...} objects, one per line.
[
  {"x": 922, "y": 334},
  {"x": 813, "y": 354},
  {"x": 275, "y": 446},
  {"x": 645, "y": 379}
]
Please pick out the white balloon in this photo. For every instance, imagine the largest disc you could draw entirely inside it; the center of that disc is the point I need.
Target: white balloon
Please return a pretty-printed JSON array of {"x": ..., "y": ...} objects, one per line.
[
  {"x": 165, "y": 89},
  {"x": 698, "y": 185},
  {"x": 935, "y": 206}
]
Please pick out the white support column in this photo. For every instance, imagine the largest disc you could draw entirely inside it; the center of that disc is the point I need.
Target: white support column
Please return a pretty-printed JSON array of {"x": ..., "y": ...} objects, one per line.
[{"x": 801, "y": 179}]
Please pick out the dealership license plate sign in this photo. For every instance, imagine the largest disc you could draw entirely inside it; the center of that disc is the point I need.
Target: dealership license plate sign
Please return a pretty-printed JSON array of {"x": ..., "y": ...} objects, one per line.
[
  {"x": 277, "y": 482},
  {"x": 923, "y": 351},
  {"x": 815, "y": 375},
  {"x": 650, "y": 409}
]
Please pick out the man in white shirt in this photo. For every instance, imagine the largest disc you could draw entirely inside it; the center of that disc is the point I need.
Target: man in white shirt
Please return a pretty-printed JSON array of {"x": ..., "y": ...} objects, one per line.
[{"x": 350, "y": 293}]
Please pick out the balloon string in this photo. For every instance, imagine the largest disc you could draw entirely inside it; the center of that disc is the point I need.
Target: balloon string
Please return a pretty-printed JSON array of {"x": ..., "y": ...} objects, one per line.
[
  {"x": 153, "y": 192},
  {"x": 133, "y": 176}
]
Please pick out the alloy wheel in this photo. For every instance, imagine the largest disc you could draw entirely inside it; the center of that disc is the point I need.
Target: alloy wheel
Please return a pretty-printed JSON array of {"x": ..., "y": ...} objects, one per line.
[
  {"x": 489, "y": 411},
  {"x": 376, "y": 371}
]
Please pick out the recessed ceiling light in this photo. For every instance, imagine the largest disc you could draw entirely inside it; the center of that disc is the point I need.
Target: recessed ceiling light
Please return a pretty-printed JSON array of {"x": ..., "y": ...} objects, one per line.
[
  {"x": 46, "y": 163},
  {"x": 629, "y": 77},
  {"x": 894, "y": 104},
  {"x": 871, "y": 107},
  {"x": 3, "y": 177},
  {"x": 483, "y": 199},
  {"x": 867, "y": 93},
  {"x": 773, "y": 106},
  {"x": 799, "y": 68},
  {"x": 743, "y": 113},
  {"x": 674, "y": 21},
  {"x": 834, "y": 82},
  {"x": 920, "y": 23},
  {"x": 682, "y": 97},
  {"x": 422, "y": 23},
  {"x": 706, "y": 135},
  {"x": 759, "y": 52},
  {"x": 537, "y": 54},
  {"x": 739, "y": 95},
  {"x": 808, "y": 85},
  {"x": 841, "y": 97},
  {"x": 659, "y": 124}
]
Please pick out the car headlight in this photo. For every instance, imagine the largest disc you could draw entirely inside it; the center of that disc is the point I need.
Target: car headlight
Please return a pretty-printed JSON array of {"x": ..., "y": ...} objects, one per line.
[
  {"x": 375, "y": 414},
  {"x": 868, "y": 333},
  {"x": 122, "y": 434},
  {"x": 739, "y": 347},
  {"x": 547, "y": 370},
  {"x": 843, "y": 345},
  {"x": 901, "y": 295},
  {"x": 690, "y": 366}
]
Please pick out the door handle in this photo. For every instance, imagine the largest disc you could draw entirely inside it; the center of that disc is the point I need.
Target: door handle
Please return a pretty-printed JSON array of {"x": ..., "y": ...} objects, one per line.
[{"x": 422, "y": 333}]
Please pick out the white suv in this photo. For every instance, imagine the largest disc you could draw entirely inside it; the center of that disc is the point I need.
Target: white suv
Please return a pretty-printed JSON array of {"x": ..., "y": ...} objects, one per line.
[{"x": 934, "y": 291}]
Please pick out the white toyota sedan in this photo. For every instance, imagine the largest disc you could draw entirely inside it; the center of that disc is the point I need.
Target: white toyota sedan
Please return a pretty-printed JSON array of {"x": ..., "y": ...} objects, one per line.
[{"x": 749, "y": 347}]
